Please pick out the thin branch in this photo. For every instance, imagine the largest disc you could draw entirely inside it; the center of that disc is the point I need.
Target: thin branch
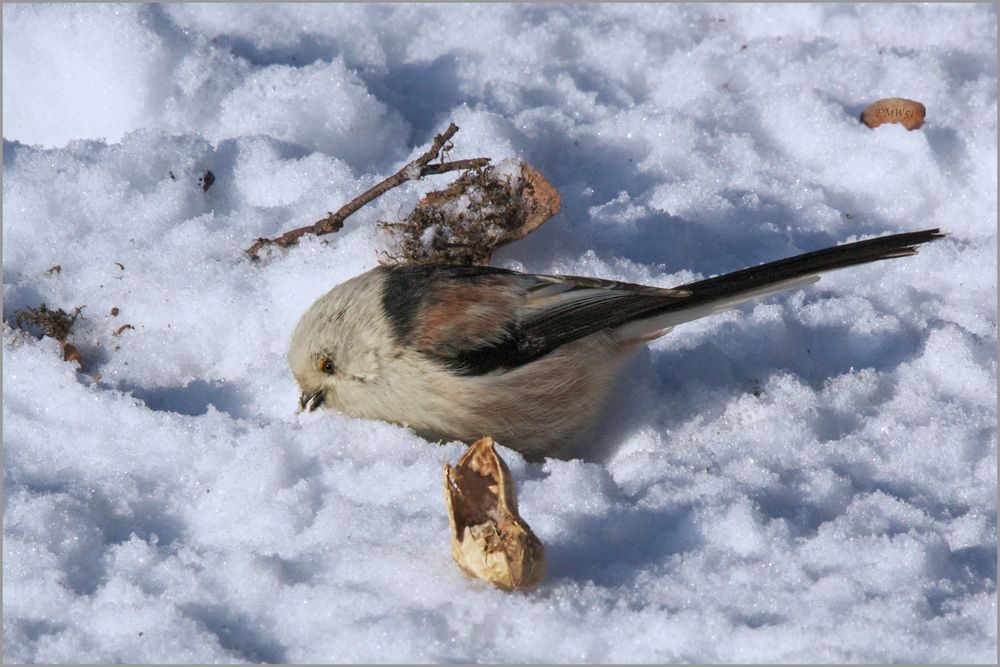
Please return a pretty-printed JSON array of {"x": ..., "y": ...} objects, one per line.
[
  {"x": 415, "y": 170},
  {"x": 445, "y": 167}
]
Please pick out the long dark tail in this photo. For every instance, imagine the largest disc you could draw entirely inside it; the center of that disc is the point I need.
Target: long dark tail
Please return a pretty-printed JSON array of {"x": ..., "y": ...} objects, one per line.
[
  {"x": 723, "y": 292},
  {"x": 811, "y": 263}
]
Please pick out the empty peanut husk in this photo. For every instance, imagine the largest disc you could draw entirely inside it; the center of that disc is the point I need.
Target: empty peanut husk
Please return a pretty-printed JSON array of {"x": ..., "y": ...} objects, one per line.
[{"x": 489, "y": 540}]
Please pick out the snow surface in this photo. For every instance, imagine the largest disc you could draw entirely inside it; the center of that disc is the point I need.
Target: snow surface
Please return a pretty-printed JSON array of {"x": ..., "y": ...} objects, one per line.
[{"x": 808, "y": 478}]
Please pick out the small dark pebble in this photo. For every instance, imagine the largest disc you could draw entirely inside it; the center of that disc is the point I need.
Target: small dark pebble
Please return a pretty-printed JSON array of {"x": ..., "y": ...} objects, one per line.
[{"x": 206, "y": 180}]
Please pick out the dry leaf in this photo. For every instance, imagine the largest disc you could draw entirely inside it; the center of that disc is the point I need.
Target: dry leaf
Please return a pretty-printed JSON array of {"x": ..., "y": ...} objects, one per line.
[
  {"x": 489, "y": 540},
  {"x": 480, "y": 211},
  {"x": 540, "y": 200}
]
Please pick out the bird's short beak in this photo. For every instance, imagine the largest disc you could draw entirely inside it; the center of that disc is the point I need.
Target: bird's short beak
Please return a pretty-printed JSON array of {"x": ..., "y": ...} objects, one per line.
[{"x": 310, "y": 401}]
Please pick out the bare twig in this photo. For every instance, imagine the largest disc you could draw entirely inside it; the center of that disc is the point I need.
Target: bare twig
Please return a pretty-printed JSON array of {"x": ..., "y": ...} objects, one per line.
[
  {"x": 445, "y": 167},
  {"x": 415, "y": 170}
]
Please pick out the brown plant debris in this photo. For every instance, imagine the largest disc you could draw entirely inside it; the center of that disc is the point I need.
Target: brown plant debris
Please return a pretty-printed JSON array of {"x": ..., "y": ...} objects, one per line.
[
  {"x": 480, "y": 211},
  {"x": 52, "y": 323},
  {"x": 489, "y": 539},
  {"x": 415, "y": 170},
  {"x": 70, "y": 353}
]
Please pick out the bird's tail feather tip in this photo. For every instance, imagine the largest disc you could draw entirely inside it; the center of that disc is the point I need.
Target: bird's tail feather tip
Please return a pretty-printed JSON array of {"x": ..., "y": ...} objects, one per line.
[
  {"x": 926, "y": 236},
  {"x": 934, "y": 234}
]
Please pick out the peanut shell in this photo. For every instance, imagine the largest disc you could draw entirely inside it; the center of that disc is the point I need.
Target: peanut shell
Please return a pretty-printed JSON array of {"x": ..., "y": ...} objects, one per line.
[
  {"x": 909, "y": 113},
  {"x": 489, "y": 540}
]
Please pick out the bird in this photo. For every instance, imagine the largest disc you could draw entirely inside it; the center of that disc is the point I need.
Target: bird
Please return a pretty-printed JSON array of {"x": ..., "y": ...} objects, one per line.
[{"x": 459, "y": 352}]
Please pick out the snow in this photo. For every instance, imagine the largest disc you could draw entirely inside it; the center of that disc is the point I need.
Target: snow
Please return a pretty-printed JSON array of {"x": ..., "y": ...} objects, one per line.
[{"x": 809, "y": 478}]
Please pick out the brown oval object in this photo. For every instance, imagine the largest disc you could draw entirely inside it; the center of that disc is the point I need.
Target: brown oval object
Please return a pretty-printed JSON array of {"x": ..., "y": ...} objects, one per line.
[
  {"x": 489, "y": 540},
  {"x": 909, "y": 113}
]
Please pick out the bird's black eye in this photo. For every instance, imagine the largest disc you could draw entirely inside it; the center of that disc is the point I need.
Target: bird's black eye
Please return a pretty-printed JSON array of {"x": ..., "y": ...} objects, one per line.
[{"x": 327, "y": 367}]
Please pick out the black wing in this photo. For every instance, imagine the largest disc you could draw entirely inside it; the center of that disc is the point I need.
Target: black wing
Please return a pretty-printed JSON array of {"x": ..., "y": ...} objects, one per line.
[{"x": 479, "y": 320}]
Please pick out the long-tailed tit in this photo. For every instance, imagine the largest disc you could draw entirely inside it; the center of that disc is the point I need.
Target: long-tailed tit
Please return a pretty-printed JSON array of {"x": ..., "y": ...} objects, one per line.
[{"x": 458, "y": 352}]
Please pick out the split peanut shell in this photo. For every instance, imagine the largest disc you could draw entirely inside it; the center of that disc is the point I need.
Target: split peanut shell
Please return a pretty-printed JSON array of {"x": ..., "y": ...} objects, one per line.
[{"x": 489, "y": 540}]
